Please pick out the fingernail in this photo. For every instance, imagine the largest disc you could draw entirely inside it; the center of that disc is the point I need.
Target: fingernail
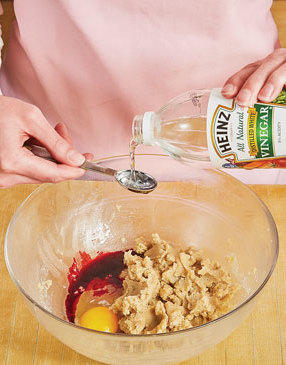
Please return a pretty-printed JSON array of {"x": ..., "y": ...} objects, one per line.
[
  {"x": 244, "y": 97},
  {"x": 266, "y": 91},
  {"x": 75, "y": 157},
  {"x": 228, "y": 89}
]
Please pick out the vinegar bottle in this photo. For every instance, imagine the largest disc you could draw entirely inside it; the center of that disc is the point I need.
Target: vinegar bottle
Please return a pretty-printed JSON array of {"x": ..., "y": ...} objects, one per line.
[{"x": 201, "y": 125}]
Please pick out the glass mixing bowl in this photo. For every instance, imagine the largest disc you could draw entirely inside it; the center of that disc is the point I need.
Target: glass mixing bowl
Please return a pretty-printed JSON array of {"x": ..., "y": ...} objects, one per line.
[{"x": 191, "y": 206}]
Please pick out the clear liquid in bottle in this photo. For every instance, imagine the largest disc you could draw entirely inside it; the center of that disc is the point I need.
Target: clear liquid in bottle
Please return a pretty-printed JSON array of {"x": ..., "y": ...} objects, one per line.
[{"x": 179, "y": 127}]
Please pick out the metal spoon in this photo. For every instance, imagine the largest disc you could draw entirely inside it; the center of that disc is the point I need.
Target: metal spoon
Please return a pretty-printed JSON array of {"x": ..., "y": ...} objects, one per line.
[{"x": 140, "y": 182}]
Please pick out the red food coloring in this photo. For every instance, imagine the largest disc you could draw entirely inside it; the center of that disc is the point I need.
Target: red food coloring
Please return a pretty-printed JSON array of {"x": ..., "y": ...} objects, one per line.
[{"x": 93, "y": 274}]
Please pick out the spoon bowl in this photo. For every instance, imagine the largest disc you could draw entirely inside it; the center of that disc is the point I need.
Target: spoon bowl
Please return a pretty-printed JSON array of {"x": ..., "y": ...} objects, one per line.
[{"x": 136, "y": 181}]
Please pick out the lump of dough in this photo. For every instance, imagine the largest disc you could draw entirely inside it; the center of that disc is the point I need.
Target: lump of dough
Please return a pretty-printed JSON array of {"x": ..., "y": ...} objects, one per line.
[{"x": 165, "y": 290}]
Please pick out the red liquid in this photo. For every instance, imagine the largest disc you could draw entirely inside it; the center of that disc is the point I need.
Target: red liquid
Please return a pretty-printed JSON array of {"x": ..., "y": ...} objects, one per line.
[{"x": 93, "y": 274}]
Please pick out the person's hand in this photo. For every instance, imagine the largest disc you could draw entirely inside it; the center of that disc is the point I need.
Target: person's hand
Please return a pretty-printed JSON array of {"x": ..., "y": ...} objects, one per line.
[
  {"x": 262, "y": 80},
  {"x": 19, "y": 122}
]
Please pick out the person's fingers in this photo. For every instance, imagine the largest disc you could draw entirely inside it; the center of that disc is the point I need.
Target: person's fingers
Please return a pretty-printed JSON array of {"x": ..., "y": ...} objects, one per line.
[
  {"x": 252, "y": 86},
  {"x": 60, "y": 128},
  {"x": 236, "y": 81},
  {"x": 7, "y": 181},
  {"x": 273, "y": 84},
  {"x": 88, "y": 156},
  {"x": 25, "y": 163},
  {"x": 247, "y": 83},
  {"x": 59, "y": 148},
  {"x": 20, "y": 122},
  {"x": 63, "y": 132}
]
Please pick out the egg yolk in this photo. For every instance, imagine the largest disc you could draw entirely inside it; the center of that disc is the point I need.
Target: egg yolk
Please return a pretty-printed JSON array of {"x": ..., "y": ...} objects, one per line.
[{"x": 100, "y": 319}]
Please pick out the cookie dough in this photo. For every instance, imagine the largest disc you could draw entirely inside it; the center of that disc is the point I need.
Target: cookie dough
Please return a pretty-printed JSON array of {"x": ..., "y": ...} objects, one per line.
[{"x": 165, "y": 290}]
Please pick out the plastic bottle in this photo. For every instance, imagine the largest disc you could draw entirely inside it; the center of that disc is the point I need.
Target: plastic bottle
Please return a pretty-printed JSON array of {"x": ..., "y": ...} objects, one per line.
[{"x": 201, "y": 125}]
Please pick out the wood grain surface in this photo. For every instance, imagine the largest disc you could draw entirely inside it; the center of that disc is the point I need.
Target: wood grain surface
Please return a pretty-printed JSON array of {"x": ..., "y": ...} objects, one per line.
[
  {"x": 279, "y": 14},
  {"x": 260, "y": 340}
]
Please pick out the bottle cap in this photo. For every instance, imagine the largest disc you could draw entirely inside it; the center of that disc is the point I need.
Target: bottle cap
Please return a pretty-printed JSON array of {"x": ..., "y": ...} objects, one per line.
[{"x": 148, "y": 125}]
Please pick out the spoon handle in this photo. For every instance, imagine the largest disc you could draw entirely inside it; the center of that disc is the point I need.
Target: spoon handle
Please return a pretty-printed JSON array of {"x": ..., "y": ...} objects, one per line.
[{"x": 87, "y": 165}]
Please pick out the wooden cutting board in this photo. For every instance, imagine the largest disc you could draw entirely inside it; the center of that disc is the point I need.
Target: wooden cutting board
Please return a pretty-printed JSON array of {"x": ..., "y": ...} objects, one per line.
[{"x": 260, "y": 340}]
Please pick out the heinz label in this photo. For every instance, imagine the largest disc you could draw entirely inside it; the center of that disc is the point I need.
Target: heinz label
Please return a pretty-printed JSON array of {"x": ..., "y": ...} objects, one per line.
[{"x": 246, "y": 137}]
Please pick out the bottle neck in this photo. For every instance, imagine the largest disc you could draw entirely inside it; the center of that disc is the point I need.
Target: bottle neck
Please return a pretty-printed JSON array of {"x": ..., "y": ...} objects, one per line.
[
  {"x": 143, "y": 128},
  {"x": 137, "y": 129}
]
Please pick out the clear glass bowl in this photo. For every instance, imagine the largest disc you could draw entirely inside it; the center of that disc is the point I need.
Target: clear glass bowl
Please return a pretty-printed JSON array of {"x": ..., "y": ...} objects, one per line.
[{"x": 202, "y": 207}]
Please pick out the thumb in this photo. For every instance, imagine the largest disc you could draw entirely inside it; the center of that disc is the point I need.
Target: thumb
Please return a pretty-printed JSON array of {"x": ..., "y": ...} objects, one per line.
[{"x": 58, "y": 147}]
